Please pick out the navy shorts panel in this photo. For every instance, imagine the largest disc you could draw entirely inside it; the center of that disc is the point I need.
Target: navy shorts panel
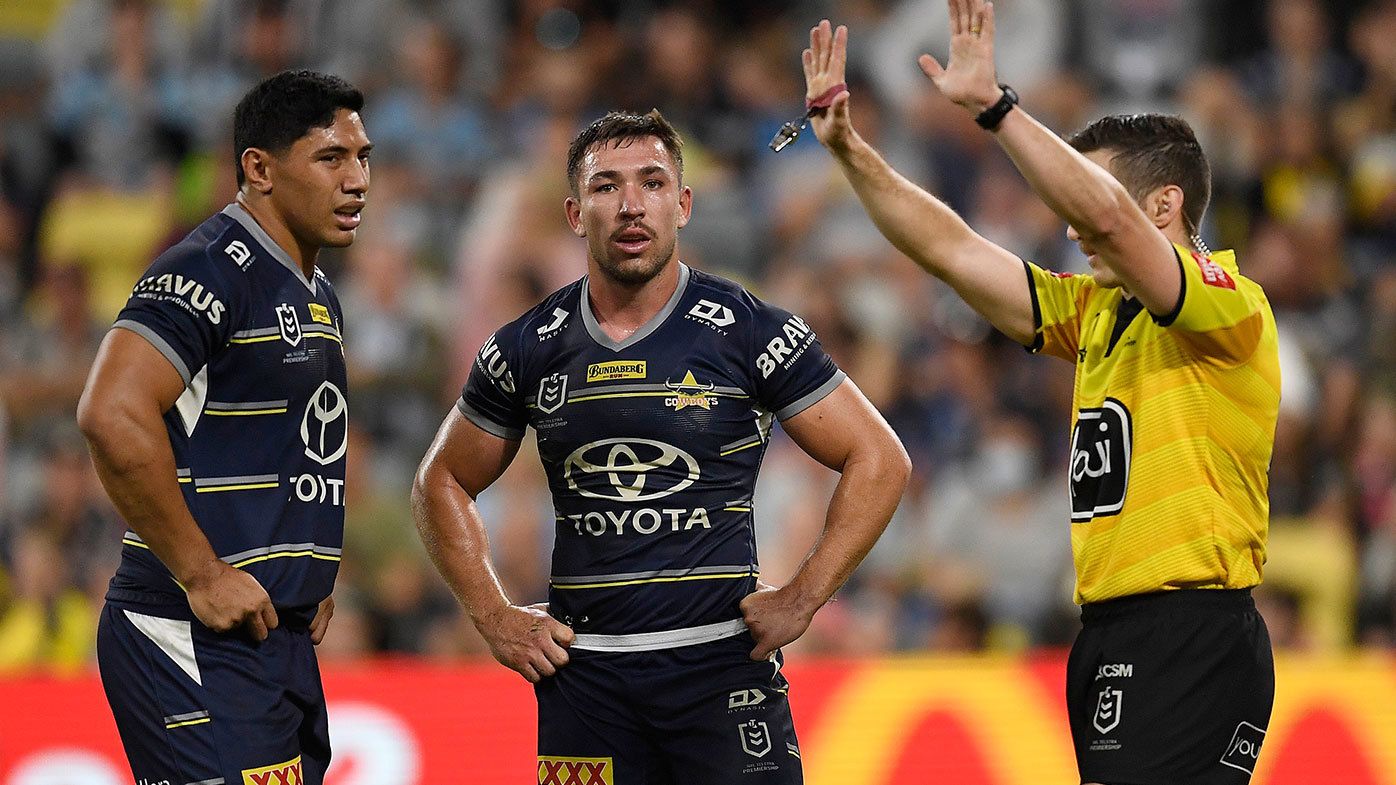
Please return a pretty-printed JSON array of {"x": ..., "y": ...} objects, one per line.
[
  {"x": 1171, "y": 688},
  {"x": 696, "y": 715},
  {"x": 256, "y": 708}
]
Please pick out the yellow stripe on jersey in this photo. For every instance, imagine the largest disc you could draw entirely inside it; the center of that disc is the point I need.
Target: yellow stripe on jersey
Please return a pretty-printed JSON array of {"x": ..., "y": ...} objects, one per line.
[
  {"x": 200, "y": 721},
  {"x": 243, "y": 412},
  {"x": 257, "y": 339},
  {"x": 250, "y": 486},
  {"x": 660, "y": 579},
  {"x": 739, "y": 448},
  {"x": 286, "y": 555},
  {"x": 1172, "y": 431}
]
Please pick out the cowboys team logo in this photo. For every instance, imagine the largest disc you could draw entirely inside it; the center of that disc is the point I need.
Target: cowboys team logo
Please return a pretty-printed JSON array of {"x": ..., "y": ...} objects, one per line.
[
  {"x": 756, "y": 738},
  {"x": 1100, "y": 458},
  {"x": 289, "y": 323},
  {"x": 626, "y": 466},
  {"x": 1109, "y": 707},
  {"x": 325, "y": 425},
  {"x": 552, "y": 393},
  {"x": 689, "y": 392}
]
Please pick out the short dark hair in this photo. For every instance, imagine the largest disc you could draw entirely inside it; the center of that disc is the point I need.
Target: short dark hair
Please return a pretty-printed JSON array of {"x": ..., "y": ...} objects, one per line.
[
  {"x": 1151, "y": 151},
  {"x": 282, "y": 108},
  {"x": 623, "y": 128}
]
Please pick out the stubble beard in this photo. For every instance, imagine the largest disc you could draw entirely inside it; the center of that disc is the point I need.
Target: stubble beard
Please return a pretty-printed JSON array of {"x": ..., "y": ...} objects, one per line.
[{"x": 634, "y": 271}]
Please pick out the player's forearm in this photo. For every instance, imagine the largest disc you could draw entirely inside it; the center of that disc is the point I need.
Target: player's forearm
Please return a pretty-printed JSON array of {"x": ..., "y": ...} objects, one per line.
[
  {"x": 454, "y": 536},
  {"x": 132, "y": 454},
  {"x": 867, "y": 494},
  {"x": 1081, "y": 193},
  {"x": 915, "y": 222}
]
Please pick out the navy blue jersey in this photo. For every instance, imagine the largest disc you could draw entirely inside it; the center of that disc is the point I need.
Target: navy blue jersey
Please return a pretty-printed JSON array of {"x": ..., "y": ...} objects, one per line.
[
  {"x": 260, "y": 433},
  {"x": 651, "y": 444}
]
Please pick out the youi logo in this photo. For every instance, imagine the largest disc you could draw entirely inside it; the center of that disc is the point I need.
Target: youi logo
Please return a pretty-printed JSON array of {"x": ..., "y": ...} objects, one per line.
[{"x": 1244, "y": 748}]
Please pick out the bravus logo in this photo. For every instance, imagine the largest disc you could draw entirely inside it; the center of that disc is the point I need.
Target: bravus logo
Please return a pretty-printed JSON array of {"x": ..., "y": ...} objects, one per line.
[{"x": 185, "y": 291}]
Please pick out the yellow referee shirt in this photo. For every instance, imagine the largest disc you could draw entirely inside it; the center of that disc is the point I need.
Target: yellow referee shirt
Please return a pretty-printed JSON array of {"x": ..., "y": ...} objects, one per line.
[{"x": 1173, "y": 427}]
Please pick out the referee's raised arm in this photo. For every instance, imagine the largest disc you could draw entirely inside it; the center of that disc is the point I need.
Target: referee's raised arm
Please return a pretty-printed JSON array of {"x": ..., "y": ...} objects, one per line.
[
  {"x": 1131, "y": 237},
  {"x": 921, "y": 226}
]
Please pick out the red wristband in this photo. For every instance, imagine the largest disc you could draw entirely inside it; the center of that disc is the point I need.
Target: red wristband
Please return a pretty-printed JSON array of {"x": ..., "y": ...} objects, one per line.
[{"x": 825, "y": 99}]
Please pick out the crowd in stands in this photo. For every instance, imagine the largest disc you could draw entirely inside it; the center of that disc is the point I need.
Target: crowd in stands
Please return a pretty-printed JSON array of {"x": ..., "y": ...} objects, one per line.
[{"x": 115, "y": 141}]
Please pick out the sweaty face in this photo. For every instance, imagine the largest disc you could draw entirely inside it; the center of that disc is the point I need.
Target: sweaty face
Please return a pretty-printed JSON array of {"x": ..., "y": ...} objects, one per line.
[
  {"x": 320, "y": 183},
  {"x": 630, "y": 206}
]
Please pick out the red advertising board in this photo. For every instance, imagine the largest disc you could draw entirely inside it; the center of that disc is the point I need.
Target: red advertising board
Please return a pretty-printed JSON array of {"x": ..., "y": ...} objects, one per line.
[{"x": 864, "y": 722}]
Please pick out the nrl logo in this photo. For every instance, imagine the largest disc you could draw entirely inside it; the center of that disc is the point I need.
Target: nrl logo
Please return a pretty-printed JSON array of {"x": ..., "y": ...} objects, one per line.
[
  {"x": 552, "y": 393},
  {"x": 689, "y": 393},
  {"x": 1109, "y": 707},
  {"x": 289, "y": 323},
  {"x": 756, "y": 738}
]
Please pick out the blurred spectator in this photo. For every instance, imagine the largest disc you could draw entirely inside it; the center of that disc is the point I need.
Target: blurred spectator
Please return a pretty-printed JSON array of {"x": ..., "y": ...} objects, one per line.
[
  {"x": 1139, "y": 49},
  {"x": 128, "y": 100},
  {"x": 1301, "y": 65},
  {"x": 427, "y": 127}
]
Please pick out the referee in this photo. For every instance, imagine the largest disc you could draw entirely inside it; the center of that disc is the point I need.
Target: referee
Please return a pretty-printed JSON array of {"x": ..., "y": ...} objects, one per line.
[{"x": 1176, "y": 394}]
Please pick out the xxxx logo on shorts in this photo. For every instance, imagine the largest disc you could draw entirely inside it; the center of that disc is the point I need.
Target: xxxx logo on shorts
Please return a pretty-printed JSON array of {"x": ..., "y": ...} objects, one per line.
[
  {"x": 575, "y": 771},
  {"x": 288, "y": 773}
]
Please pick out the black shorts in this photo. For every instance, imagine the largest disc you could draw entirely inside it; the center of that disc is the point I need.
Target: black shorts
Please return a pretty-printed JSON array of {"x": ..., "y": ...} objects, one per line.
[
  {"x": 705, "y": 714},
  {"x": 196, "y": 706},
  {"x": 1170, "y": 688}
]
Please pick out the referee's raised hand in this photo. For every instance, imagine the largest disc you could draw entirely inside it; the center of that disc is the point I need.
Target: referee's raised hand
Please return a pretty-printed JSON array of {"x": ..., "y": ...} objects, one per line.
[
  {"x": 824, "y": 62},
  {"x": 968, "y": 77}
]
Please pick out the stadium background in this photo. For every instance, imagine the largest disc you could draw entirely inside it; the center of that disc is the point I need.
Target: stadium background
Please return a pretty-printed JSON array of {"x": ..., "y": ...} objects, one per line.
[{"x": 944, "y": 654}]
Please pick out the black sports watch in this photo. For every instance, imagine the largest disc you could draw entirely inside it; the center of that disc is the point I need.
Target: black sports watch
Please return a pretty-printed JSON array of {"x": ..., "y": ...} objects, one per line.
[{"x": 990, "y": 118}]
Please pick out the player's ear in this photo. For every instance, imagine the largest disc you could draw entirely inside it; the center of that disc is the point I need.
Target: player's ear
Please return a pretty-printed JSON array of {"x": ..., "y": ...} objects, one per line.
[
  {"x": 1164, "y": 205},
  {"x": 685, "y": 205},
  {"x": 574, "y": 216},
  {"x": 256, "y": 169}
]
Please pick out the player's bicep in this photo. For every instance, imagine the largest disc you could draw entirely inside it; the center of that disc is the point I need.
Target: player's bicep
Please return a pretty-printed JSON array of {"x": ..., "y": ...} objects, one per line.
[
  {"x": 131, "y": 371},
  {"x": 467, "y": 455},
  {"x": 838, "y": 425},
  {"x": 990, "y": 280}
]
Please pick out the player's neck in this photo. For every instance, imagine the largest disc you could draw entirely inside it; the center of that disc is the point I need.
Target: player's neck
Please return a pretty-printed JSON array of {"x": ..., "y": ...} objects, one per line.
[
  {"x": 620, "y": 308},
  {"x": 275, "y": 226}
]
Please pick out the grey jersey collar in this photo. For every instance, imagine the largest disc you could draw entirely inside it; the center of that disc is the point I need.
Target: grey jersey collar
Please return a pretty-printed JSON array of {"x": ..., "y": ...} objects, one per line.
[
  {"x": 600, "y": 336},
  {"x": 239, "y": 213}
]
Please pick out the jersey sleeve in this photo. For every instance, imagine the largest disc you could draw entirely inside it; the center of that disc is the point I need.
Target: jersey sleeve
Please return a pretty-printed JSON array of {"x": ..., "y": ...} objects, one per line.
[
  {"x": 1056, "y": 310},
  {"x": 1220, "y": 313},
  {"x": 186, "y": 306},
  {"x": 791, "y": 370},
  {"x": 491, "y": 396}
]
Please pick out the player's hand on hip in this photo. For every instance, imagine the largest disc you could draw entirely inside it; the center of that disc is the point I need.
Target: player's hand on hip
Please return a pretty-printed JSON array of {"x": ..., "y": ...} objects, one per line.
[
  {"x": 968, "y": 77},
  {"x": 321, "y": 622},
  {"x": 824, "y": 63},
  {"x": 527, "y": 640},
  {"x": 225, "y": 598},
  {"x": 774, "y": 617}
]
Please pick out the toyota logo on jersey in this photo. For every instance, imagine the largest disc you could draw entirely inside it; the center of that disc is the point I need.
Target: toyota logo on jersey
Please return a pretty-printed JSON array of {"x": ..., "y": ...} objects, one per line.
[
  {"x": 634, "y": 470},
  {"x": 325, "y": 425}
]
